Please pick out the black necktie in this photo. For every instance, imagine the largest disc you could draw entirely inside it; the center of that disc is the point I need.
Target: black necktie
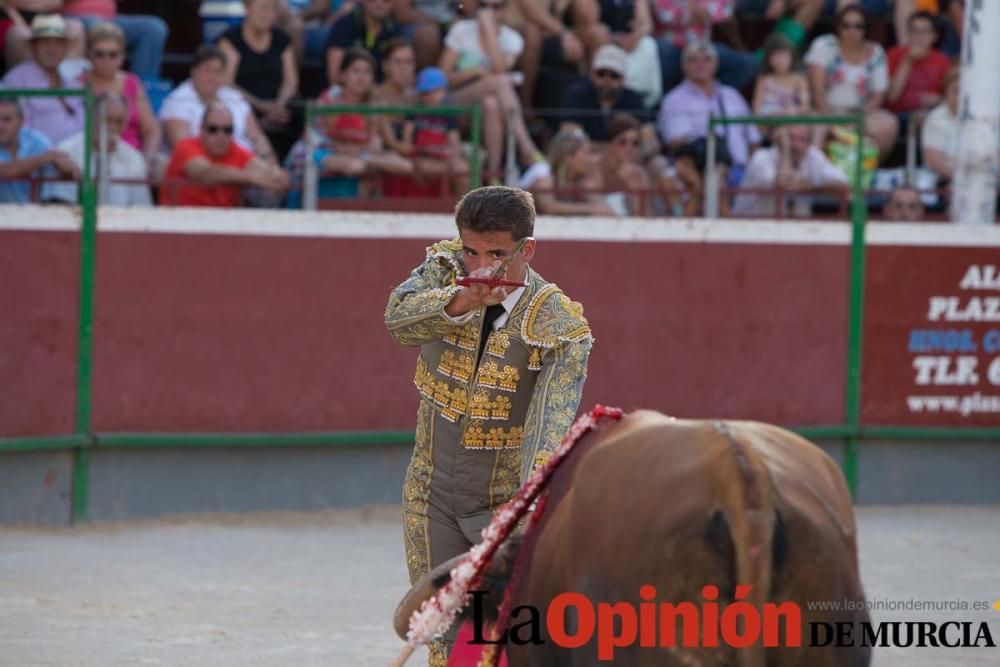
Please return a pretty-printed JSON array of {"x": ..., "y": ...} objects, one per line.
[{"x": 492, "y": 313}]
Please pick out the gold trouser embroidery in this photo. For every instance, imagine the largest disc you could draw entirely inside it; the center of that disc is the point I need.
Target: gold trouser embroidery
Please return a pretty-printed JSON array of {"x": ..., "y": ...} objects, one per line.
[
  {"x": 437, "y": 654},
  {"x": 416, "y": 497}
]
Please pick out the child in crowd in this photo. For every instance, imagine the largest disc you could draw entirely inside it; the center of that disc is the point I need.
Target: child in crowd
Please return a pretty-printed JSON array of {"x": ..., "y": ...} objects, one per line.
[
  {"x": 354, "y": 148},
  {"x": 348, "y": 150},
  {"x": 782, "y": 89},
  {"x": 434, "y": 142}
]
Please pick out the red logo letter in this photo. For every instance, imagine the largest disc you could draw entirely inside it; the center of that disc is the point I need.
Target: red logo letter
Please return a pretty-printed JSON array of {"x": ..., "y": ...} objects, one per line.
[{"x": 555, "y": 620}]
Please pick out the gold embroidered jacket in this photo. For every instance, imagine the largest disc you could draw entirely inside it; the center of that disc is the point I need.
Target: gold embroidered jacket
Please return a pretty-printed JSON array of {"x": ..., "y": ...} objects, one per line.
[{"x": 519, "y": 400}]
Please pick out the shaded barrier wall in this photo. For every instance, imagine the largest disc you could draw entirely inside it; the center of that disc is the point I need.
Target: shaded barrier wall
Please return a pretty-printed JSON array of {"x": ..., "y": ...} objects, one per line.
[
  {"x": 248, "y": 333},
  {"x": 265, "y": 322}
]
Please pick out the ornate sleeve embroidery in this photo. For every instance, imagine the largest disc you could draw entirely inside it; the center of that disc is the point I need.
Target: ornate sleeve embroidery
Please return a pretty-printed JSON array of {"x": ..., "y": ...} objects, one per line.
[
  {"x": 415, "y": 313},
  {"x": 554, "y": 403}
]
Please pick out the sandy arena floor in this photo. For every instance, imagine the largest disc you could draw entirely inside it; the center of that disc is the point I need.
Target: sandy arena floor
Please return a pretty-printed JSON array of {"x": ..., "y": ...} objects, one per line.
[{"x": 319, "y": 589}]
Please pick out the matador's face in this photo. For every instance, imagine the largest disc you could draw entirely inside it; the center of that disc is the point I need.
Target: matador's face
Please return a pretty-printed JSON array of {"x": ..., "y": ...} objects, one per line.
[{"x": 483, "y": 249}]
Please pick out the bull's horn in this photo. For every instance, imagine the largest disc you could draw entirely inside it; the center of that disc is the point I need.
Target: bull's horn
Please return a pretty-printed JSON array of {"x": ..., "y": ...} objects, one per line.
[{"x": 422, "y": 590}]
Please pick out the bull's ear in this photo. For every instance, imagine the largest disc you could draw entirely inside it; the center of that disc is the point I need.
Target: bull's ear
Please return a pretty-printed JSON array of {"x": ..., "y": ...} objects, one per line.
[{"x": 427, "y": 586}]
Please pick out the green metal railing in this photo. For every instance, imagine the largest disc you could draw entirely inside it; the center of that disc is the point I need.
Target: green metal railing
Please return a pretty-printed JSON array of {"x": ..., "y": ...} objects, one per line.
[
  {"x": 84, "y": 441},
  {"x": 314, "y": 111}
]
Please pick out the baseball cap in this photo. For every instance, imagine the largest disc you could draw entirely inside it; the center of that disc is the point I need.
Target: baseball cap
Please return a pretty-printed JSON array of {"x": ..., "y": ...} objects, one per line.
[
  {"x": 430, "y": 79},
  {"x": 610, "y": 57}
]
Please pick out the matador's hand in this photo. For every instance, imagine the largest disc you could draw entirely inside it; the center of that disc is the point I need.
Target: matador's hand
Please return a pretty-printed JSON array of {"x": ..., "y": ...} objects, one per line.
[{"x": 477, "y": 295}]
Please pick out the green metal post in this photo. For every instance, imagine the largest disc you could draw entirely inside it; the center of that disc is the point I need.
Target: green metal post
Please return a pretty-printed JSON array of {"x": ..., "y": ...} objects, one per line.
[
  {"x": 477, "y": 122},
  {"x": 310, "y": 170},
  {"x": 855, "y": 324},
  {"x": 84, "y": 344},
  {"x": 859, "y": 209},
  {"x": 81, "y": 484}
]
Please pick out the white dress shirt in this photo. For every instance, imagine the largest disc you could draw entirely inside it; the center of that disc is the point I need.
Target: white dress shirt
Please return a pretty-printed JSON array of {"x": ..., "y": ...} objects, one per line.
[{"x": 508, "y": 307}]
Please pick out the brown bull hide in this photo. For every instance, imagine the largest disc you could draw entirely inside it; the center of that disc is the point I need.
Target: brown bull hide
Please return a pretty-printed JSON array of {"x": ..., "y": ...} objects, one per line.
[{"x": 680, "y": 504}]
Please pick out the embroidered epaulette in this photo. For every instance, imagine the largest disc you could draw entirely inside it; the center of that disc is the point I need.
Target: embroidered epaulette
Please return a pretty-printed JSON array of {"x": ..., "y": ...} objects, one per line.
[
  {"x": 552, "y": 318},
  {"x": 447, "y": 253}
]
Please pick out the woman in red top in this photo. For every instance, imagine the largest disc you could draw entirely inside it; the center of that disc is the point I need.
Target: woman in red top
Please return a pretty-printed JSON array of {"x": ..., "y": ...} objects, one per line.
[{"x": 917, "y": 69}]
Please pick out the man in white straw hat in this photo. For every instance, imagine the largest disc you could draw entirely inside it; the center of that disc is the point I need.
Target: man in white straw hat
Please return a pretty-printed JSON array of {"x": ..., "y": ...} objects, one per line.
[
  {"x": 17, "y": 45},
  {"x": 55, "y": 117}
]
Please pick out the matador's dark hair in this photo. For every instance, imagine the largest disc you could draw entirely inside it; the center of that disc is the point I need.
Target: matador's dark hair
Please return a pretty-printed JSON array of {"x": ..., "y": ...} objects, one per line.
[{"x": 497, "y": 208}]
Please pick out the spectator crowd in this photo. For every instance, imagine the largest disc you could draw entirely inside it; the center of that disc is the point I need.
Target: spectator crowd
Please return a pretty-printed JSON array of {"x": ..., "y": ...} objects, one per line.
[{"x": 599, "y": 107}]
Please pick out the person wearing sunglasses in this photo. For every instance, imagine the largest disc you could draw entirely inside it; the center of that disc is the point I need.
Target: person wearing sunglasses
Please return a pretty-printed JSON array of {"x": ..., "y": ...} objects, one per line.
[
  {"x": 848, "y": 73},
  {"x": 629, "y": 25},
  {"x": 211, "y": 169},
  {"x": 897, "y": 12},
  {"x": 145, "y": 35},
  {"x": 625, "y": 176},
  {"x": 184, "y": 108},
  {"x": 589, "y": 103},
  {"x": 106, "y": 49}
]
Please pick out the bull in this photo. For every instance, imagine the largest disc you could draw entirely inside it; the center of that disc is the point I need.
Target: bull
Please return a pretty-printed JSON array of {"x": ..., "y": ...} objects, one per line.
[{"x": 742, "y": 511}]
